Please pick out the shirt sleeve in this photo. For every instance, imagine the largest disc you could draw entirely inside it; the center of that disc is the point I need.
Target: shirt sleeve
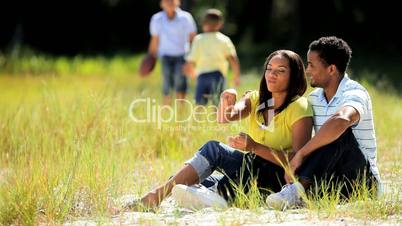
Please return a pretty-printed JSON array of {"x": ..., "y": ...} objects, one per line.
[
  {"x": 194, "y": 51},
  {"x": 254, "y": 97},
  {"x": 154, "y": 26},
  {"x": 357, "y": 99},
  {"x": 191, "y": 26},
  {"x": 299, "y": 109},
  {"x": 229, "y": 48}
]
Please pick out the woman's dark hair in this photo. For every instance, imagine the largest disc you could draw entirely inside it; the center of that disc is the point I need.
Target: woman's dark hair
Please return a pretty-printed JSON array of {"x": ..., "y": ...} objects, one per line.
[{"x": 297, "y": 80}]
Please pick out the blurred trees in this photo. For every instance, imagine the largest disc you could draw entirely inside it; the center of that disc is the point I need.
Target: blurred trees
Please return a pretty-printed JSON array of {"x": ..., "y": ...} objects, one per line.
[{"x": 258, "y": 26}]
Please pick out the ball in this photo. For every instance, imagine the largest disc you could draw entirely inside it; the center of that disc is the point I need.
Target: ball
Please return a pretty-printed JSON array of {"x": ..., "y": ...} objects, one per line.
[{"x": 147, "y": 65}]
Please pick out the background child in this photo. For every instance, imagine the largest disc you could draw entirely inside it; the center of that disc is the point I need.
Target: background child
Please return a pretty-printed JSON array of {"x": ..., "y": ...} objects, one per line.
[
  {"x": 172, "y": 30},
  {"x": 210, "y": 54}
]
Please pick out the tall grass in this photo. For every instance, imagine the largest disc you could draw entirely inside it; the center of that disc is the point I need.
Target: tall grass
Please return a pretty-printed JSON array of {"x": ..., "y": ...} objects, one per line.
[
  {"x": 68, "y": 147},
  {"x": 24, "y": 61}
]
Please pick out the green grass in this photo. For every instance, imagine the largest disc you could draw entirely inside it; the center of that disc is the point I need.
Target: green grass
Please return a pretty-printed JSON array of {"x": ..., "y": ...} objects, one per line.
[{"x": 68, "y": 147}]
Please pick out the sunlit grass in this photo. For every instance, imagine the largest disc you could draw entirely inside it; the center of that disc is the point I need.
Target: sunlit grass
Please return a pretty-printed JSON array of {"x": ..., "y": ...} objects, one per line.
[{"x": 68, "y": 147}]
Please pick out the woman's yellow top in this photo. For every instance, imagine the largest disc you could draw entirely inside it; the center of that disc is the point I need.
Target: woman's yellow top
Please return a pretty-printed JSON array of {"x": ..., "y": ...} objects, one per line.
[{"x": 278, "y": 134}]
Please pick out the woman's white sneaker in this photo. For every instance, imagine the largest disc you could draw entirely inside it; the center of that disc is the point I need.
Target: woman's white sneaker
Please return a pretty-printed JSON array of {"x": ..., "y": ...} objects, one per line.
[{"x": 197, "y": 197}]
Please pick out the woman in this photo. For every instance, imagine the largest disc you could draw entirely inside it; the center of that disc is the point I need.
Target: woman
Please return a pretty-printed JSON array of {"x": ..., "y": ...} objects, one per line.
[{"x": 280, "y": 124}]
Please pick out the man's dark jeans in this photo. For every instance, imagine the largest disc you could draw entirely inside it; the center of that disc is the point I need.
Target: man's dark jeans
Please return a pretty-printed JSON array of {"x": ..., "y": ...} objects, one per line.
[{"x": 340, "y": 163}]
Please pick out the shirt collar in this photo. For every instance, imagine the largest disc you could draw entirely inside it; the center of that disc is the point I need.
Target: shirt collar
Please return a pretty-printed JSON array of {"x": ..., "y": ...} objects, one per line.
[
  {"x": 177, "y": 12},
  {"x": 339, "y": 91},
  {"x": 341, "y": 85}
]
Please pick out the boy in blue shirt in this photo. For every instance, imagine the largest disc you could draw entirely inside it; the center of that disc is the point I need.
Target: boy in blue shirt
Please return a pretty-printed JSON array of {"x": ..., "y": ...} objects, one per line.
[{"x": 172, "y": 30}]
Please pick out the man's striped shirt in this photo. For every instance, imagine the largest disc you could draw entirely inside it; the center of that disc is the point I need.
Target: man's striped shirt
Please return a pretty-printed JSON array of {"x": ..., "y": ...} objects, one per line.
[{"x": 349, "y": 93}]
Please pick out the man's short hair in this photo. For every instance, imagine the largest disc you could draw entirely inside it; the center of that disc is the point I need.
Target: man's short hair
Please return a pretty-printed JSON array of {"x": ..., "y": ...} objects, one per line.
[
  {"x": 213, "y": 16},
  {"x": 333, "y": 50}
]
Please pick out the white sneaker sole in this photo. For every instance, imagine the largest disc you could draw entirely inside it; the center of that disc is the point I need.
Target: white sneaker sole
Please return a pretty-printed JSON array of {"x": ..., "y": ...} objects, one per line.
[{"x": 276, "y": 204}]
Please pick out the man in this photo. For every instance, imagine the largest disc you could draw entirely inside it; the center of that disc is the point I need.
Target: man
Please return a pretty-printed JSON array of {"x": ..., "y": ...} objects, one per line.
[
  {"x": 172, "y": 31},
  {"x": 343, "y": 151}
]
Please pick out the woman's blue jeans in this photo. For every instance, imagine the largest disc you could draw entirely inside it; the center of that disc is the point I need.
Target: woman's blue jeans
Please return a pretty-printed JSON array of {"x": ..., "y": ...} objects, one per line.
[{"x": 238, "y": 170}]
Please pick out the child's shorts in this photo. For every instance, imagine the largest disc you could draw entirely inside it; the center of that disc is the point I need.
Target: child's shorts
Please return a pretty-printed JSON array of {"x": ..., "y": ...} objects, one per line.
[
  {"x": 173, "y": 77},
  {"x": 209, "y": 86}
]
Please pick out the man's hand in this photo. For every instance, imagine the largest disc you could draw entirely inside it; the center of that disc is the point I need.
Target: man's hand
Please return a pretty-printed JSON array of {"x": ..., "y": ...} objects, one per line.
[
  {"x": 153, "y": 46},
  {"x": 242, "y": 142},
  {"x": 294, "y": 164}
]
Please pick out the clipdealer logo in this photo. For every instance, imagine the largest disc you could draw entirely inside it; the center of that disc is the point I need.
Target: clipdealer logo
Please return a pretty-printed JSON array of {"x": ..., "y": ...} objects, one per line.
[{"x": 147, "y": 110}]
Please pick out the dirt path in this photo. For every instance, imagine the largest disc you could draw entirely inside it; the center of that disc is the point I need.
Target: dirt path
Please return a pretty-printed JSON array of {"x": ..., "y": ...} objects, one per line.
[{"x": 170, "y": 214}]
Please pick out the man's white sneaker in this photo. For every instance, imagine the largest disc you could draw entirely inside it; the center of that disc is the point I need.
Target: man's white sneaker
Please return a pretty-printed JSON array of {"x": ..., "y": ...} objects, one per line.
[
  {"x": 197, "y": 197},
  {"x": 288, "y": 197}
]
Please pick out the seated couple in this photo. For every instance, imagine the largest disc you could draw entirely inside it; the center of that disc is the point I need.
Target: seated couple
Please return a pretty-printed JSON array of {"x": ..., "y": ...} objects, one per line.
[{"x": 279, "y": 151}]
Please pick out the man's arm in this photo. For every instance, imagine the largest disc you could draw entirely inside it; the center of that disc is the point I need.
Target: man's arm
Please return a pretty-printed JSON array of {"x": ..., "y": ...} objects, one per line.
[
  {"x": 153, "y": 45},
  {"x": 191, "y": 37},
  {"x": 235, "y": 65},
  {"x": 332, "y": 129}
]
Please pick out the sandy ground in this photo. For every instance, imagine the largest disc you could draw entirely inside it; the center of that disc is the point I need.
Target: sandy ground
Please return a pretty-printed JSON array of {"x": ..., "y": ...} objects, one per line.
[{"x": 170, "y": 214}]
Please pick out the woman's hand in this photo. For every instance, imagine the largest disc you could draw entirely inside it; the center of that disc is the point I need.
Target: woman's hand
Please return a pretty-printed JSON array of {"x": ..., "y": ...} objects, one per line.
[
  {"x": 294, "y": 164},
  {"x": 229, "y": 96},
  {"x": 229, "y": 110},
  {"x": 242, "y": 142},
  {"x": 226, "y": 105}
]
